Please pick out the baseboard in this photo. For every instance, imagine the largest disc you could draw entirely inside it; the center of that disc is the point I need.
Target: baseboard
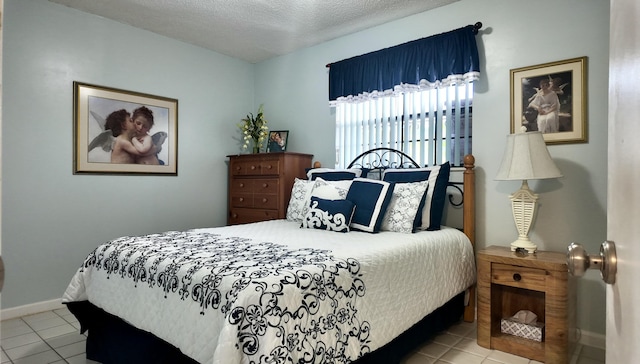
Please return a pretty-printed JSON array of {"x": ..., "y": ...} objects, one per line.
[
  {"x": 30, "y": 309},
  {"x": 592, "y": 339}
]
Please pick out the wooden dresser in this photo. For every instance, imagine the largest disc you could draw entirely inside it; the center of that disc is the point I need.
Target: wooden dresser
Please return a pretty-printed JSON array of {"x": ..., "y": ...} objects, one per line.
[{"x": 260, "y": 185}]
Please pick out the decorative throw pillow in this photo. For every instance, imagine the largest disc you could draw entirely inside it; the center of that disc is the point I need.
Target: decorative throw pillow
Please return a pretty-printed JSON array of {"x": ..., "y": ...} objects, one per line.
[
  {"x": 435, "y": 197},
  {"x": 328, "y": 190},
  {"x": 403, "y": 207},
  {"x": 300, "y": 197},
  {"x": 332, "y": 215},
  {"x": 329, "y": 174},
  {"x": 371, "y": 198}
]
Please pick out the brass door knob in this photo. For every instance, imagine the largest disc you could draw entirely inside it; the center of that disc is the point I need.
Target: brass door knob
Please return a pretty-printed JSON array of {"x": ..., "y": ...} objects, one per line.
[{"x": 579, "y": 261}]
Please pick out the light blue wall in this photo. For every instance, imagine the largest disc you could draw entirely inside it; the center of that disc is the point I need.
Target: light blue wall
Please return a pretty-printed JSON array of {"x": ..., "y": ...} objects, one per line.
[
  {"x": 52, "y": 219},
  {"x": 519, "y": 34}
]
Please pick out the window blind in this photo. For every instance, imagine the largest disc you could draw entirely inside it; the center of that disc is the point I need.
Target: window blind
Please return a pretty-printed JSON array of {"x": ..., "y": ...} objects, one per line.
[{"x": 431, "y": 126}]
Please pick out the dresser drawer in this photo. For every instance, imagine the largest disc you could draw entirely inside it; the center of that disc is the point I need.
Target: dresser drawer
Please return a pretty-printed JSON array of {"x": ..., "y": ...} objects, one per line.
[
  {"x": 241, "y": 186},
  {"x": 270, "y": 167},
  {"x": 245, "y": 168},
  {"x": 256, "y": 167},
  {"x": 241, "y": 200},
  {"x": 265, "y": 185},
  {"x": 264, "y": 201},
  {"x": 245, "y": 216},
  {"x": 249, "y": 186},
  {"x": 520, "y": 277}
]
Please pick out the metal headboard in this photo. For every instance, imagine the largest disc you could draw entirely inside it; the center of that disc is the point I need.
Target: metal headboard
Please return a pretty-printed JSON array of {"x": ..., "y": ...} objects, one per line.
[
  {"x": 379, "y": 159},
  {"x": 383, "y": 158}
]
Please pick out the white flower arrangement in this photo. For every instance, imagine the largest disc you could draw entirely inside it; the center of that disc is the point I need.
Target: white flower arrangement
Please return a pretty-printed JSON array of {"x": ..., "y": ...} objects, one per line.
[{"x": 254, "y": 128}]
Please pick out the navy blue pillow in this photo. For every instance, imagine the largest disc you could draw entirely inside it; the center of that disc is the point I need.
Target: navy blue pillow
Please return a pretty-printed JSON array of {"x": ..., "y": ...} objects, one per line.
[
  {"x": 434, "y": 199},
  {"x": 371, "y": 198},
  {"x": 332, "y": 215},
  {"x": 328, "y": 174},
  {"x": 408, "y": 175},
  {"x": 333, "y": 176}
]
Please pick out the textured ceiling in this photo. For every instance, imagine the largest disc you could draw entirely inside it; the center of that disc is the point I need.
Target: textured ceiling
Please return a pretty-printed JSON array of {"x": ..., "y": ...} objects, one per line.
[{"x": 253, "y": 30}]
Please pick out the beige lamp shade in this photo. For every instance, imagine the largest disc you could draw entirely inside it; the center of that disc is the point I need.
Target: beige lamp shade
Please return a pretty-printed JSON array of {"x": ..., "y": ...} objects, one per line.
[{"x": 526, "y": 157}]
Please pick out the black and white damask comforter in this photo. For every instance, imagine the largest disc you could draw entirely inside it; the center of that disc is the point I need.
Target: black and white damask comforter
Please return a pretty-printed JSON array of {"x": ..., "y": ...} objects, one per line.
[{"x": 272, "y": 292}]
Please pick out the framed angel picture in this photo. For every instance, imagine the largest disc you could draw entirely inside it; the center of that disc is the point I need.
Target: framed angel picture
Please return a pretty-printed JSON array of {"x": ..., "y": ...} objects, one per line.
[
  {"x": 124, "y": 132},
  {"x": 551, "y": 98}
]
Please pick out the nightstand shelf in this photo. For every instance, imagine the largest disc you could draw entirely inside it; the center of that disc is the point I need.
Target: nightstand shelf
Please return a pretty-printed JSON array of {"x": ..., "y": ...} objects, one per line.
[{"x": 539, "y": 283}]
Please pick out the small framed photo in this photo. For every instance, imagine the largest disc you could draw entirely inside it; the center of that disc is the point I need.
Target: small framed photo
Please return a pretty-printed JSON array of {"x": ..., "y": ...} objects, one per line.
[
  {"x": 277, "y": 141},
  {"x": 124, "y": 132},
  {"x": 551, "y": 98}
]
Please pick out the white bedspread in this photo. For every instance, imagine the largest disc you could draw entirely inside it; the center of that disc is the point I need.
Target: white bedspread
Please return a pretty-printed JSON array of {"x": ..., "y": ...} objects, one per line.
[{"x": 278, "y": 291}]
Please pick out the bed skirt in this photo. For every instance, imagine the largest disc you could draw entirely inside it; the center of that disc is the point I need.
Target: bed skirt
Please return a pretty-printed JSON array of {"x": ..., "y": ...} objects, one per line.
[{"x": 111, "y": 340}]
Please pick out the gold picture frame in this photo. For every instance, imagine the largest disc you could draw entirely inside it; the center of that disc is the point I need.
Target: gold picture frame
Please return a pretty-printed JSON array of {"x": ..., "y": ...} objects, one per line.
[
  {"x": 101, "y": 117},
  {"x": 535, "y": 90}
]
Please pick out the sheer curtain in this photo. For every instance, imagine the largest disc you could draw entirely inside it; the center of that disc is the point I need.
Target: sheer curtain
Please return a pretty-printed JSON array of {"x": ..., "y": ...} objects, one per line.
[{"x": 415, "y": 97}]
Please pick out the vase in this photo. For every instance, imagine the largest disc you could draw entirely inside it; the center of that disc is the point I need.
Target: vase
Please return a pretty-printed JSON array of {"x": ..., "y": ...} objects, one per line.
[{"x": 256, "y": 150}]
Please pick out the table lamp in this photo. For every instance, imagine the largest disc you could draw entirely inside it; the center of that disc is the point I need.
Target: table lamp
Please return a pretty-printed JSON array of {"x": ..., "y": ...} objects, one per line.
[{"x": 526, "y": 157}]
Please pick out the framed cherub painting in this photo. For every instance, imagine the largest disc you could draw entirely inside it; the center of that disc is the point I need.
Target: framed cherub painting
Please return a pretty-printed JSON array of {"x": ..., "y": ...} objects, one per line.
[
  {"x": 124, "y": 132},
  {"x": 551, "y": 98}
]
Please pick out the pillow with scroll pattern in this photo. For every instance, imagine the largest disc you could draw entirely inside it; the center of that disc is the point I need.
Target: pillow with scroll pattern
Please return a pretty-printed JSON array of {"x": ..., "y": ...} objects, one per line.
[
  {"x": 300, "y": 195},
  {"x": 332, "y": 215},
  {"x": 404, "y": 206}
]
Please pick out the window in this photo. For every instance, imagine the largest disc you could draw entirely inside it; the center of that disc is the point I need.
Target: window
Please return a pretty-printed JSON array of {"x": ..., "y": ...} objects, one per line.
[{"x": 431, "y": 125}]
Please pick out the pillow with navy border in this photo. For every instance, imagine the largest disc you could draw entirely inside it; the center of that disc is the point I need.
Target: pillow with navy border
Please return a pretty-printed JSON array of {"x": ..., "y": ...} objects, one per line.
[
  {"x": 371, "y": 198},
  {"x": 329, "y": 174},
  {"x": 434, "y": 200},
  {"x": 332, "y": 215}
]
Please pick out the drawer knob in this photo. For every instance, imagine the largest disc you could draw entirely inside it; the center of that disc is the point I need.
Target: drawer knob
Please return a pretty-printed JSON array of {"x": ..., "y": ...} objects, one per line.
[
  {"x": 265, "y": 185},
  {"x": 269, "y": 166},
  {"x": 253, "y": 167},
  {"x": 235, "y": 216},
  {"x": 242, "y": 185},
  {"x": 241, "y": 199},
  {"x": 264, "y": 200},
  {"x": 517, "y": 277}
]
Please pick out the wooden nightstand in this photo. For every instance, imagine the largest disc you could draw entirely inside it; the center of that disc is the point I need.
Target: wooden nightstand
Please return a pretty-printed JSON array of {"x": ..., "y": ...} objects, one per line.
[{"x": 537, "y": 282}]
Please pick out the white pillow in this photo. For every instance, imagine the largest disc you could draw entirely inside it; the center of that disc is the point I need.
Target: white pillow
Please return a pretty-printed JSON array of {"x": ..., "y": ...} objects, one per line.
[
  {"x": 300, "y": 198},
  {"x": 328, "y": 190},
  {"x": 403, "y": 207}
]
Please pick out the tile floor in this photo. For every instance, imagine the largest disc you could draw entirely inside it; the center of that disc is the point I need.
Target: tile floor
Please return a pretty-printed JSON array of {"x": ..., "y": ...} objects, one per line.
[{"x": 53, "y": 337}]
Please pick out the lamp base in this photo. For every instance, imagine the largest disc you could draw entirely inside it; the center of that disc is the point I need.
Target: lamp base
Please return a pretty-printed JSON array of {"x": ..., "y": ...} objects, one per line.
[{"x": 524, "y": 243}]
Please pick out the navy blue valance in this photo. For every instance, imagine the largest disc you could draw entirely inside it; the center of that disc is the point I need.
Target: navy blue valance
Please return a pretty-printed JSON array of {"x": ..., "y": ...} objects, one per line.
[{"x": 432, "y": 60}]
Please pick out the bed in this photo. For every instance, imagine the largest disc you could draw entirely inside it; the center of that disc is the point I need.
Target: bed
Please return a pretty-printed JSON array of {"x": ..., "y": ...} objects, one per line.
[{"x": 296, "y": 290}]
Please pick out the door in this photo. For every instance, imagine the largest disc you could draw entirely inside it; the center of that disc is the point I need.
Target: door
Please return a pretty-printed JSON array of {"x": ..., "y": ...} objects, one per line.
[
  {"x": 623, "y": 194},
  {"x": 1, "y": 262}
]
